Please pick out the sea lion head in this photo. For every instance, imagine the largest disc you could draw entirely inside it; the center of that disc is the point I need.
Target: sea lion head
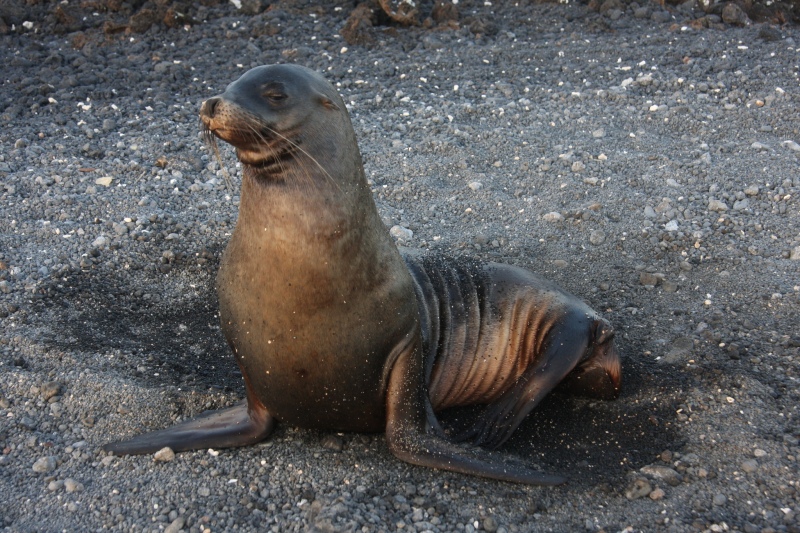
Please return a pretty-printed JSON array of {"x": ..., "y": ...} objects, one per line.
[
  {"x": 287, "y": 124},
  {"x": 599, "y": 374}
]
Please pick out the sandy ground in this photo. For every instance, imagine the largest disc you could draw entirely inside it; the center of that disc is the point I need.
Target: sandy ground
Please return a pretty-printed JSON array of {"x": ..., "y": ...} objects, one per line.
[{"x": 649, "y": 164}]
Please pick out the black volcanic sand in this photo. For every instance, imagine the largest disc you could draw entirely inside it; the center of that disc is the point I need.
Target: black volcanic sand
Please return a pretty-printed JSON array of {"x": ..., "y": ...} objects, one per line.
[{"x": 649, "y": 164}]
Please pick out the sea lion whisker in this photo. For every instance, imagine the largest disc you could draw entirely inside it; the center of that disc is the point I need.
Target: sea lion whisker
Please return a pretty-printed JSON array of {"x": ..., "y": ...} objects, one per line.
[
  {"x": 210, "y": 139},
  {"x": 301, "y": 149}
]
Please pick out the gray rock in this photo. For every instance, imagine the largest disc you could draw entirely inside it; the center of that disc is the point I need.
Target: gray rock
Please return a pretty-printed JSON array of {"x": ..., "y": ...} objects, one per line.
[
  {"x": 749, "y": 466},
  {"x": 45, "y": 464},
  {"x": 665, "y": 473}
]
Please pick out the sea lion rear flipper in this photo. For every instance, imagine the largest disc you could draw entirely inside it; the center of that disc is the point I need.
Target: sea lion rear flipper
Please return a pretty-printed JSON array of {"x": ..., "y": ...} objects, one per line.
[
  {"x": 408, "y": 440},
  {"x": 235, "y": 426},
  {"x": 565, "y": 349}
]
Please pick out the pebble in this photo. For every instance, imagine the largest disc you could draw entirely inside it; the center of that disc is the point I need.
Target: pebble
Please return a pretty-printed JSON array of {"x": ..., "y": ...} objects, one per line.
[
  {"x": 50, "y": 389},
  {"x": 332, "y": 442},
  {"x": 717, "y": 205},
  {"x": 164, "y": 455},
  {"x": 72, "y": 486},
  {"x": 719, "y": 499},
  {"x": 639, "y": 488},
  {"x": 646, "y": 278},
  {"x": 597, "y": 237},
  {"x": 795, "y": 254},
  {"x": 401, "y": 233},
  {"x": 45, "y": 464},
  {"x": 475, "y": 185},
  {"x": 552, "y": 216},
  {"x": 176, "y": 525},
  {"x": 741, "y": 205},
  {"x": 665, "y": 473},
  {"x": 55, "y": 485},
  {"x": 791, "y": 145},
  {"x": 750, "y": 466},
  {"x": 490, "y": 524},
  {"x": 758, "y": 452},
  {"x": 104, "y": 181},
  {"x": 657, "y": 494}
]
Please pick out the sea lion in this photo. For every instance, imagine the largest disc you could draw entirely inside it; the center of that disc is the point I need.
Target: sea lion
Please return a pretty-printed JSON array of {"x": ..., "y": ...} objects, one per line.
[{"x": 333, "y": 328}]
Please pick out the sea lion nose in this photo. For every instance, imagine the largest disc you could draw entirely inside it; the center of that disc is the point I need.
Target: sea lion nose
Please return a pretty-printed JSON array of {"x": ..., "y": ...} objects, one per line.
[{"x": 209, "y": 107}]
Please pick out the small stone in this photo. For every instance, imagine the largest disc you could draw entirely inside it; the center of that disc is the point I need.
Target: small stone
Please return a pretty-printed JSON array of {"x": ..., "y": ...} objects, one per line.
[
  {"x": 750, "y": 465},
  {"x": 490, "y": 524},
  {"x": 752, "y": 190},
  {"x": 475, "y": 185},
  {"x": 669, "y": 286},
  {"x": 639, "y": 488},
  {"x": 733, "y": 14},
  {"x": 657, "y": 494},
  {"x": 401, "y": 233},
  {"x": 100, "y": 242},
  {"x": 560, "y": 263},
  {"x": 717, "y": 205},
  {"x": 54, "y": 485},
  {"x": 332, "y": 442},
  {"x": 204, "y": 491},
  {"x": 597, "y": 237},
  {"x": 105, "y": 181},
  {"x": 671, "y": 226},
  {"x": 45, "y": 464},
  {"x": 50, "y": 389},
  {"x": 741, "y": 205},
  {"x": 795, "y": 254},
  {"x": 599, "y": 133},
  {"x": 661, "y": 16},
  {"x": 578, "y": 166},
  {"x": 649, "y": 212},
  {"x": 759, "y": 146},
  {"x": 791, "y": 145},
  {"x": 176, "y": 525},
  {"x": 646, "y": 278},
  {"x": 72, "y": 486},
  {"x": 164, "y": 455},
  {"x": 719, "y": 499},
  {"x": 758, "y": 452},
  {"x": 552, "y": 216},
  {"x": 665, "y": 473}
]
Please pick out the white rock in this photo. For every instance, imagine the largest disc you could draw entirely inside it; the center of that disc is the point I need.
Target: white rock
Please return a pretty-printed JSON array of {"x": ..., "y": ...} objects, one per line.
[
  {"x": 164, "y": 455},
  {"x": 553, "y": 216},
  {"x": 791, "y": 145},
  {"x": 399, "y": 232}
]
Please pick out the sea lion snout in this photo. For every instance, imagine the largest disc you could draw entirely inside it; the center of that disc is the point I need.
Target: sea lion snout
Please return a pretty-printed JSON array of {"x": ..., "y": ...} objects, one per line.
[{"x": 209, "y": 107}]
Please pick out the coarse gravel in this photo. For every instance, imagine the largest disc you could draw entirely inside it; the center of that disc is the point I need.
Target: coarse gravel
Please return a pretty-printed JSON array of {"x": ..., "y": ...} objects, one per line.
[{"x": 645, "y": 163}]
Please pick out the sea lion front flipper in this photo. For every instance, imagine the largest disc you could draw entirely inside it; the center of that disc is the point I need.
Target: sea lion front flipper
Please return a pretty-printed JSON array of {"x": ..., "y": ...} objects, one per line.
[
  {"x": 235, "y": 426},
  {"x": 408, "y": 440}
]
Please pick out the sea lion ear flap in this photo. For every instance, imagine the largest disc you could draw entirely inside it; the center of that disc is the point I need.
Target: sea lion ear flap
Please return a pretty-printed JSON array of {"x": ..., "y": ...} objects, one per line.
[
  {"x": 328, "y": 103},
  {"x": 603, "y": 332}
]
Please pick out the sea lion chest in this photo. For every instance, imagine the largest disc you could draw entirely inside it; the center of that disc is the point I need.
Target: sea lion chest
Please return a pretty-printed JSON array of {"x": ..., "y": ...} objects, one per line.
[{"x": 312, "y": 311}]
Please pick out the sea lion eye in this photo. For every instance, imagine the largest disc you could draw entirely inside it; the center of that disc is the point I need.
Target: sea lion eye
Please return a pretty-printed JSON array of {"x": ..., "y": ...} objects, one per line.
[
  {"x": 274, "y": 93},
  {"x": 275, "y": 96}
]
